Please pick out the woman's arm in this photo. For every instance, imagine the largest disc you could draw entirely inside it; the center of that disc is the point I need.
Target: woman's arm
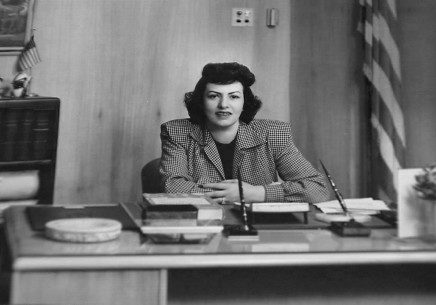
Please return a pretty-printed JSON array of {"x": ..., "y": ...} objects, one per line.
[
  {"x": 174, "y": 167},
  {"x": 301, "y": 182}
]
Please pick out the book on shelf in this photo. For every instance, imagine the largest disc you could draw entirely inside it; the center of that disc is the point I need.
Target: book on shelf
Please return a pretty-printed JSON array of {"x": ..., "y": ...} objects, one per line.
[
  {"x": 25, "y": 134},
  {"x": 41, "y": 134},
  {"x": 207, "y": 208},
  {"x": 24, "y": 144},
  {"x": 9, "y": 131}
]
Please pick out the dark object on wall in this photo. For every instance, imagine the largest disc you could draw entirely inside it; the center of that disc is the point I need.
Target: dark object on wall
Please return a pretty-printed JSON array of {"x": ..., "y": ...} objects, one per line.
[
  {"x": 15, "y": 25},
  {"x": 150, "y": 177},
  {"x": 28, "y": 139}
]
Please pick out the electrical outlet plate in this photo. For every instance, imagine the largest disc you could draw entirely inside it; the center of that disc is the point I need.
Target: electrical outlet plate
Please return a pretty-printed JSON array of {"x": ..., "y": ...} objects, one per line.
[{"x": 242, "y": 17}]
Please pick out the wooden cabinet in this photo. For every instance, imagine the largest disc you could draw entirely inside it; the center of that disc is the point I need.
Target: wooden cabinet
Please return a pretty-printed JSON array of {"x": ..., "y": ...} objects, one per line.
[{"x": 28, "y": 139}]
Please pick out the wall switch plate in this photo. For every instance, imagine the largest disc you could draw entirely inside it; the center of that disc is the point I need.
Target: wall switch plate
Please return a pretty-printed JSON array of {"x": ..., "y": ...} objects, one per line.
[{"x": 242, "y": 17}]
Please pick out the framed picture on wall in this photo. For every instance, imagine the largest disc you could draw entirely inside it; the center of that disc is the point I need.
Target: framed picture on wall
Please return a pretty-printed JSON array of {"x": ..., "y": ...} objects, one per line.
[{"x": 16, "y": 17}]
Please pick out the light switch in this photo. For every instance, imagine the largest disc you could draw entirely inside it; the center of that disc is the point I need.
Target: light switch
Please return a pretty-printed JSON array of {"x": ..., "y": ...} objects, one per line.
[{"x": 242, "y": 17}]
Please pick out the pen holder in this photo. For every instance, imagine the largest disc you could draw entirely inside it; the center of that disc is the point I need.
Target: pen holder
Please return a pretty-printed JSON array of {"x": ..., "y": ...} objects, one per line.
[
  {"x": 239, "y": 233},
  {"x": 350, "y": 229}
]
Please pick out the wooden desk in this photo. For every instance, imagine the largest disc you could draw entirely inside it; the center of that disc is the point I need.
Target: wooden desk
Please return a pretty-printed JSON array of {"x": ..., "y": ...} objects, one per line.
[{"x": 305, "y": 266}]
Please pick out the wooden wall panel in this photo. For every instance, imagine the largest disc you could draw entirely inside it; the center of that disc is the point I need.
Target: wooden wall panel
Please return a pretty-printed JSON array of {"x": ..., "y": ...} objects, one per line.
[
  {"x": 326, "y": 105},
  {"x": 121, "y": 68}
]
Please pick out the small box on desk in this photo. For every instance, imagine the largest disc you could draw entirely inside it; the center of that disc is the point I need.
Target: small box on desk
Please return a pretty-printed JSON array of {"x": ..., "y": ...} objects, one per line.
[{"x": 350, "y": 229}]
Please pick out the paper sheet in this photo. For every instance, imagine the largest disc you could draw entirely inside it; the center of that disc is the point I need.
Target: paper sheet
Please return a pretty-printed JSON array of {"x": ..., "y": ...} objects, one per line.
[{"x": 357, "y": 205}]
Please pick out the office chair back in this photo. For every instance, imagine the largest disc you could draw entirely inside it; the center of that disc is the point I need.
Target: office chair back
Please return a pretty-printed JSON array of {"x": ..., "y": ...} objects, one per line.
[{"x": 150, "y": 177}]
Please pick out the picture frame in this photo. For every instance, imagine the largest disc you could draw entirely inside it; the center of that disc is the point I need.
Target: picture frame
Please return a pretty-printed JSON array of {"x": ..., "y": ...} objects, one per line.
[{"x": 16, "y": 20}]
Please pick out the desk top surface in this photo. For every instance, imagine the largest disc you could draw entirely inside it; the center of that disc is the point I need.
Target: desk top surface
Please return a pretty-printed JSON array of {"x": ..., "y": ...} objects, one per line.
[{"x": 31, "y": 250}]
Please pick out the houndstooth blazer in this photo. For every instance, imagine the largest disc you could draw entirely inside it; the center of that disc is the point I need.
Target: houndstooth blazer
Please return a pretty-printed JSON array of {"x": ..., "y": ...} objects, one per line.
[{"x": 264, "y": 151}]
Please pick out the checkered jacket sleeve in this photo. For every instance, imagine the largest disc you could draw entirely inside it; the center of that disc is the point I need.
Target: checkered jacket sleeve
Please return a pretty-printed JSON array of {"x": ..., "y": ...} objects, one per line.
[
  {"x": 175, "y": 177},
  {"x": 264, "y": 152},
  {"x": 300, "y": 180}
]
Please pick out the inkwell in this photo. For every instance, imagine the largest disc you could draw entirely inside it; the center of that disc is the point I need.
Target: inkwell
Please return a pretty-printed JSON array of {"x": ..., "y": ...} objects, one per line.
[
  {"x": 345, "y": 228},
  {"x": 245, "y": 231}
]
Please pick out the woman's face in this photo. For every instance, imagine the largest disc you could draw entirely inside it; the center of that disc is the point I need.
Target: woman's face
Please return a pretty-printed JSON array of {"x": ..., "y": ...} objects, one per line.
[{"x": 223, "y": 105}]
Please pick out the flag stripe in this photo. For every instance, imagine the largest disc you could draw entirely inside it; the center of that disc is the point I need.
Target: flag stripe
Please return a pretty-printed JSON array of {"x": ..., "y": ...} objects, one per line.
[
  {"x": 387, "y": 164},
  {"x": 384, "y": 36},
  {"x": 388, "y": 9},
  {"x": 383, "y": 60},
  {"x": 385, "y": 119},
  {"x": 386, "y": 189},
  {"x": 386, "y": 147},
  {"x": 383, "y": 85},
  {"x": 383, "y": 65}
]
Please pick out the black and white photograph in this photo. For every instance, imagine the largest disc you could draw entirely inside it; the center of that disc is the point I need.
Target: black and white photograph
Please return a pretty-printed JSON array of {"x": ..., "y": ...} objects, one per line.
[{"x": 191, "y": 152}]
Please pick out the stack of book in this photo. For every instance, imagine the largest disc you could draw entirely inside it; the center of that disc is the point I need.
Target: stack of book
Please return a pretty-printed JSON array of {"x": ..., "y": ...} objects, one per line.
[{"x": 180, "y": 218}]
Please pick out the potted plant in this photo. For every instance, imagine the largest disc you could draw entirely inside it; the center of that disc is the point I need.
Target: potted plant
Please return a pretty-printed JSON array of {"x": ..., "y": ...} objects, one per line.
[{"x": 426, "y": 183}]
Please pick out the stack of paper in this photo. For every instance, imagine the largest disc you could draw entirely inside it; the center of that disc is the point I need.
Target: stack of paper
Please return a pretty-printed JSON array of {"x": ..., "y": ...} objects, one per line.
[{"x": 354, "y": 205}]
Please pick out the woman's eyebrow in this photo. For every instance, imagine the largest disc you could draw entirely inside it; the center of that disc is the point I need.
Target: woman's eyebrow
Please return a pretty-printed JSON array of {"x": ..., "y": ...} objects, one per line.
[{"x": 217, "y": 92}]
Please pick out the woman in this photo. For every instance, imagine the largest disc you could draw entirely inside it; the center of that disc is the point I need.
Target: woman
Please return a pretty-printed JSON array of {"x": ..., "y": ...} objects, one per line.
[{"x": 206, "y": 152}]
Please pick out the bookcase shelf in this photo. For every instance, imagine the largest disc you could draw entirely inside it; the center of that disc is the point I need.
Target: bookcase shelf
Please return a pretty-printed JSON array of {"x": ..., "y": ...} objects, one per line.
[{"x": 28, "y": 139}]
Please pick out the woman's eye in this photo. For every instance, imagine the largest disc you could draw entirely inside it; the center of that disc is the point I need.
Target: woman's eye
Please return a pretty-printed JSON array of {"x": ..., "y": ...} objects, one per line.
[
  {"x": 212, "y": 96},
  {"x": 234, "y": 97}
]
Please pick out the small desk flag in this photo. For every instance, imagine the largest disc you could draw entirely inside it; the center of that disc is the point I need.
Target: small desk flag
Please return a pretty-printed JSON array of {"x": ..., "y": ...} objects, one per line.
[
  {"x": 29, "y": 56},
  {"x": 378, "y": 26}
]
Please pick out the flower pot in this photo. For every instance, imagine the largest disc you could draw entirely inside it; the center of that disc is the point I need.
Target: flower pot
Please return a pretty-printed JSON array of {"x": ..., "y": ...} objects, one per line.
[
  {"x": 19, "y": 92},
  {"x": 416, "y": 216}
]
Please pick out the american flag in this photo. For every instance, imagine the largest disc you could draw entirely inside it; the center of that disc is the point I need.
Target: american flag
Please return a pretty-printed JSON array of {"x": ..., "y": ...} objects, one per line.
[
  {"x": 381, "y": 67},
  {"x": 29, "y": 57}
]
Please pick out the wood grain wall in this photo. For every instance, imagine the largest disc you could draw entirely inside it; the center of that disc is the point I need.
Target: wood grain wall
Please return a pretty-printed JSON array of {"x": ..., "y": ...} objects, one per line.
[
  {"x": 121, "y": 68},
  {"x": 325, "y": 85}
]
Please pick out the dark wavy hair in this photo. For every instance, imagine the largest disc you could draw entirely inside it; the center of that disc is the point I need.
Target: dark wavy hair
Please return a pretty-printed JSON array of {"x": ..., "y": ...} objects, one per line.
[{"x": 223, "y": 74}]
